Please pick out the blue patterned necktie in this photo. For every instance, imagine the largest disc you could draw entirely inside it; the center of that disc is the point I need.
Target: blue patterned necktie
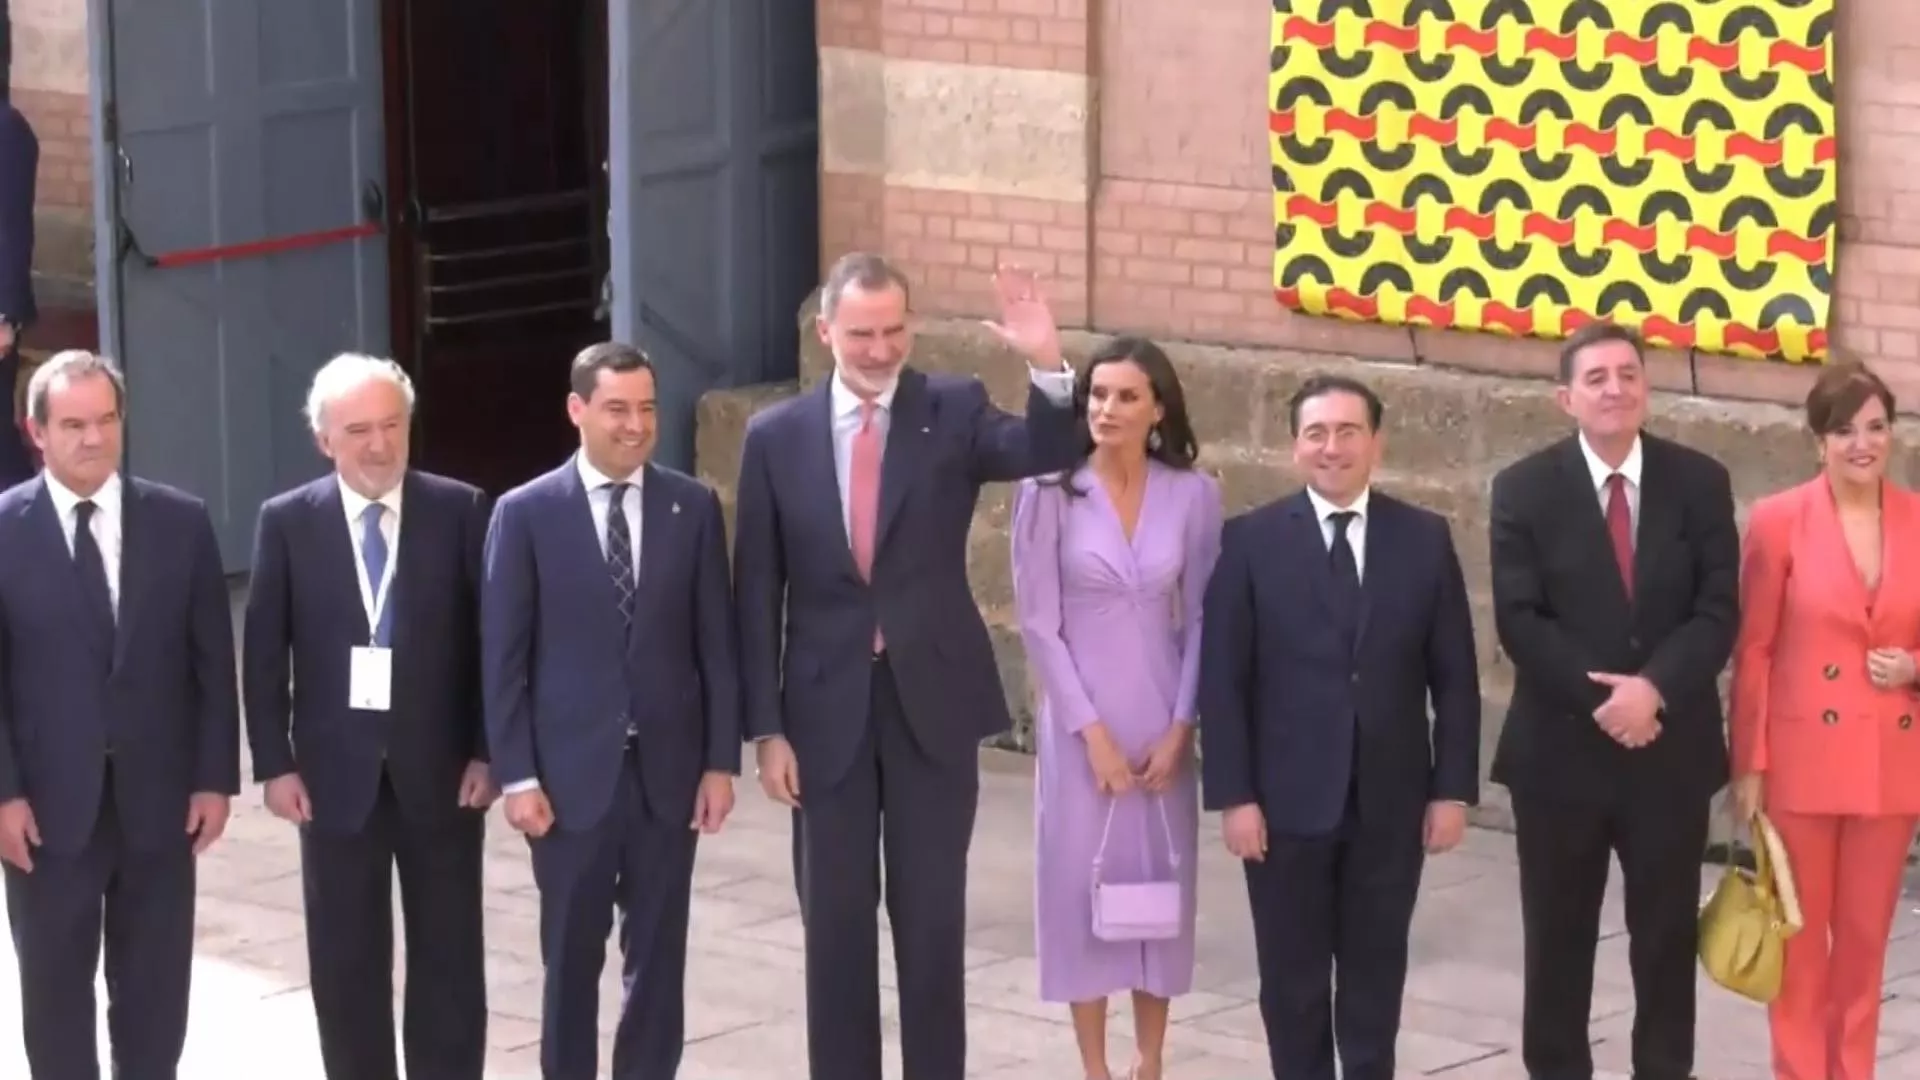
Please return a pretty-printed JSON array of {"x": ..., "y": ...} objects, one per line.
[
  {"x": 373, "y": 552},
  {"x": 620, "y": 553}
]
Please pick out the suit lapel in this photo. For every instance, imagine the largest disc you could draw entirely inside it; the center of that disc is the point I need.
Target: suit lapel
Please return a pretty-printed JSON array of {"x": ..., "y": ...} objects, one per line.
[
  {"x": 414, "y": 520},
  {"x": 136, "y": 560},
  {"x": 576, "y": 521},
  {"x": 1843, "y": 574},
  {"x": 906, "y": 442},
  {"x": 1309, "y": 546},
  {"x": 819, "y": 472},
  {"x": 1375, "y": 563},
  {"x": 659, "y": 524},
  {"x": 1582, "y": 501},
  {"x": 336, "y": 547},
  {"x": 1660, "y": 511}
]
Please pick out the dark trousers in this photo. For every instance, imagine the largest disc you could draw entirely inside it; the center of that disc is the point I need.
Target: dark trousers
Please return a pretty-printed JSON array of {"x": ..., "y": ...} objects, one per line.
[
  {"x": 1565, "y": 850},
  {"x": 141, "y": 903},
  {"x": 643, "y": 866},
  {"x": 1331, "y": 917},
  {"x": 898, "y": 807},
  {"x": 348, "y": 880}
]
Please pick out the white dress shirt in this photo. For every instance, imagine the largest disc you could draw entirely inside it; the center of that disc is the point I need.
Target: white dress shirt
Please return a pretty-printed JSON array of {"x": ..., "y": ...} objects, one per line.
[
  {"x": 599, "y": 500},
  {"x": 105, "y": 525},
  {"x": 1056, "y": 385},
  {"x": 1356, "y": 529},
  {"x": 1630, "y": 469},
  {"x": 355, "y": 505}
]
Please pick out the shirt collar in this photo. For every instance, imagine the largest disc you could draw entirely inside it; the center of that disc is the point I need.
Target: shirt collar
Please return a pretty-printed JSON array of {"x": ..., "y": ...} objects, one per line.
[
  {"x": 1630, "y": 468},
  {"x": 356, "y": 504},
  {"x": 1323, "y": 509},
  {"x": 593, "y": 479},
  {"x": 106, "y": 500},
  {"x": 846, "y": 402}
]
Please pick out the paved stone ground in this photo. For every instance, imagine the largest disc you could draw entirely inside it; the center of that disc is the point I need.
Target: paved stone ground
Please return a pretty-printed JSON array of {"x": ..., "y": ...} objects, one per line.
[{"x": 744, "y": 985}]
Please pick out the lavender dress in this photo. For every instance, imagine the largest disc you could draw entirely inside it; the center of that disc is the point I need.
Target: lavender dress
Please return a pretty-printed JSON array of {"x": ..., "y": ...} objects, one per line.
[{"x": 1112, "y": 632}]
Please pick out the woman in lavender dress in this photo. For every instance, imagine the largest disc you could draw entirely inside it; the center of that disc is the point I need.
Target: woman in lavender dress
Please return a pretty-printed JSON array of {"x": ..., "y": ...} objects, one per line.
[{"x": 1110, "y": 562}]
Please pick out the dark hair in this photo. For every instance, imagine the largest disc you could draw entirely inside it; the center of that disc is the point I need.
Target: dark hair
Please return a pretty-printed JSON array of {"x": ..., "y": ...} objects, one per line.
[
  {"x": 1322, "y": 385},
  {"x": 869, "y": 271},
  {"x": 1178, "y": 448},
  {"x": 1597, "y": 333},
  {"x": 611, "y": 356},
  {"x": 1840, "y": 392}
]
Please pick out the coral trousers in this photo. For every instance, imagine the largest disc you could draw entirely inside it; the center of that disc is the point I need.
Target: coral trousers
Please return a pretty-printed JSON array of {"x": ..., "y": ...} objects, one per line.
[{"x": 1848, "y": 868}]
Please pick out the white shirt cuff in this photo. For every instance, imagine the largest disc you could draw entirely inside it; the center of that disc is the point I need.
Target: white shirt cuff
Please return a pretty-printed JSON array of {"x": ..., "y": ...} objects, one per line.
[
  {"x": 523, "y": 785},
  {"x": 1057, "y": 385}
]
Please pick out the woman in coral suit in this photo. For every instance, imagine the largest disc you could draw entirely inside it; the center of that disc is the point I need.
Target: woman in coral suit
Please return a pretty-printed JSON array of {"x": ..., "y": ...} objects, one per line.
[{"x": 1822, "y": 718}]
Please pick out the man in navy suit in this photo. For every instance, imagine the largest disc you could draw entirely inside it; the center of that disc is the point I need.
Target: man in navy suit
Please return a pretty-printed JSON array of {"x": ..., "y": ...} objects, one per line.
[
  {"x": 870, "y": 678},
  {"x": 361, "y": 678},
  {"x": 613, "y": 711},
  {"x": 119, "y": 732},
  {"x": 1332, "y": 618},
  {"x": 19, "y": 169}
]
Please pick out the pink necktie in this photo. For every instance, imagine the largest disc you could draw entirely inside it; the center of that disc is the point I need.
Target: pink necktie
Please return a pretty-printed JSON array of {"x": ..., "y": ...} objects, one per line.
[{"x": 863, "y": 496}]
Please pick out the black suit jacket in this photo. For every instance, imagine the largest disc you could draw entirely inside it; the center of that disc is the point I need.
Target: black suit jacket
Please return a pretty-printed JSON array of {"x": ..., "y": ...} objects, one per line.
[
  {"x": 160, "y": 697},
  {"x": 19, "y": 167},
  {"x": 806, "y": 616},
  {"x": 1282, "y": 701},
  {"x": 559, "y": 674},
  {"x": 304, "y": 616},
  {"x": 1562, "y": 612}
]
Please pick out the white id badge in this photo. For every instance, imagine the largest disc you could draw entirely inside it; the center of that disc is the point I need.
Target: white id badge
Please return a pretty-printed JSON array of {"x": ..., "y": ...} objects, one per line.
[{"x": 370, "y": 679}]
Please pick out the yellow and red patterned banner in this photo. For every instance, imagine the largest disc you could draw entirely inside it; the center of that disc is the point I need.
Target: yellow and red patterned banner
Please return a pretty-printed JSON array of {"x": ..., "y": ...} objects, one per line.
[{"x": 1526, "y": 166}]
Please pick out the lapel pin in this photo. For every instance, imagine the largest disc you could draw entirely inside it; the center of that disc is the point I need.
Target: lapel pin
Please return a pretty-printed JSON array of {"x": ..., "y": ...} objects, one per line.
[
  {"x": 676, "y": 508},
  {"x": 926, "y": 431}
]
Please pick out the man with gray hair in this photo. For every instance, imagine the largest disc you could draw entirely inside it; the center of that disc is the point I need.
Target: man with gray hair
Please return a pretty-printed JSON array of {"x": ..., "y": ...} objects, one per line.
[
  {"x": 119, "y": 731},
  {"x": 361, "y": 679}
]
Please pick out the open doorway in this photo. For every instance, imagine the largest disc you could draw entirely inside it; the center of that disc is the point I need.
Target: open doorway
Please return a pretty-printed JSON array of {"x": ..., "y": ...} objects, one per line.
[{"x": 496, "y": 138}]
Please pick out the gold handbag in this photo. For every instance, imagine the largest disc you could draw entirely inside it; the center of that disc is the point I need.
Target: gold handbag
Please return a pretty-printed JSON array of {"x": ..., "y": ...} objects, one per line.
[{"x": 1745, "y": 924}]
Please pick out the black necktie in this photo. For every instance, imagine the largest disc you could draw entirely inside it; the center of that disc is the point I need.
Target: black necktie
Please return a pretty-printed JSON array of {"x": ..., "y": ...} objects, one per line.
[
  {"x": 1346, "y": 570},
  {"x": 91, "y": 567},
  {"x": 620, "y": 553}
]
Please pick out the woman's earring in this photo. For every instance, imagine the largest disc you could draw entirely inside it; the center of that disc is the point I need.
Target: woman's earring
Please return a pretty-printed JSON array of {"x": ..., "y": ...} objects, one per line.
[{"x": 1153, "y": 438}]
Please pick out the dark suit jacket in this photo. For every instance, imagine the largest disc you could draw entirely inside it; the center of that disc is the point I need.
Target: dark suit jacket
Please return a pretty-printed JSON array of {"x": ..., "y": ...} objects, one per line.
[
  {"x": 304, "y": 616},
  {"x": 806, "y": 616},
  {"x": 162, "y": 699},
  {"x": 19, "y": 168},
  {"x": 1280, "y": 699},
  {"x": 1562, "y": 612},
  {"x": 558, "y": 680}
]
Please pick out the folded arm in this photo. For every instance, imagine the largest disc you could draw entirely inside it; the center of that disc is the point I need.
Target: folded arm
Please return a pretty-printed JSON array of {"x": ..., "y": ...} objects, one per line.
[
  {"x": 1528, "y": 631},
  {"x": 1687, "y": 663},
  {"x": 267, "y": 631}
]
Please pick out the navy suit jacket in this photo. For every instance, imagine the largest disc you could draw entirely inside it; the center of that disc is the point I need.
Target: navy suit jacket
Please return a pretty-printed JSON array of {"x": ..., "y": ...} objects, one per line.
[
  {"x": 19, "y": 167},
  {"x": 304, "y": 617},
  {"x": 558, "y": 677},
  {"x": 162, "y": 700},
  {"x": 806, "y": 616},
  {"x": 1279, "y": 697}
]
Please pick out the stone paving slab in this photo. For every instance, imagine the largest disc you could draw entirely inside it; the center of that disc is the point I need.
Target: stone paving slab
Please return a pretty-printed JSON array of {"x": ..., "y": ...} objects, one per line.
[{"x": 745, "y": 980}]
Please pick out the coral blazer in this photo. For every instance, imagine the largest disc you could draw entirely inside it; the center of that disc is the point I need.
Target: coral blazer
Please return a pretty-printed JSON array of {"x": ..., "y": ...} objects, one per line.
[{"x": 1803, "y": 709}]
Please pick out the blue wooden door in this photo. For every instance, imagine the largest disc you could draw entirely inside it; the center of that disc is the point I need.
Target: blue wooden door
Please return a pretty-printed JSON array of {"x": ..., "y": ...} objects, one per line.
[
  {"x": 240, "y": 231},
  {"x": 714, "y": 208}
]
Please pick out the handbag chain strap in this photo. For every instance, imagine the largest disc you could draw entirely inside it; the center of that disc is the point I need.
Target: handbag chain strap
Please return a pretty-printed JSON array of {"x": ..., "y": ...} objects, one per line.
[{"x": 1166, "y": 827}]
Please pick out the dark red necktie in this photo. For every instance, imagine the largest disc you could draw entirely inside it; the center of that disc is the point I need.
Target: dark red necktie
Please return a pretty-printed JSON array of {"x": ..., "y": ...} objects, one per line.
[{"x": 1620, "y": 528}]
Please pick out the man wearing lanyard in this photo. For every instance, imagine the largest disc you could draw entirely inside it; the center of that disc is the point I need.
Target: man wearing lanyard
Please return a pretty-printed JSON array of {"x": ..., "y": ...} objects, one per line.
[{"x": 380, "y": 763}]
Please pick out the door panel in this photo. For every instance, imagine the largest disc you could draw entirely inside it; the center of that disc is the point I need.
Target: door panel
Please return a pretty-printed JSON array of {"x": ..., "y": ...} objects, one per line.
[
  {"x": 234, "y": 122},
  {"x": 715, "y": 198}
]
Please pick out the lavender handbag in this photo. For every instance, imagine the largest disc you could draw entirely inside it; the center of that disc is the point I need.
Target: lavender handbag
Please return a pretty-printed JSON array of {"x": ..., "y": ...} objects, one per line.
[{"x": 1138, "y": 911}]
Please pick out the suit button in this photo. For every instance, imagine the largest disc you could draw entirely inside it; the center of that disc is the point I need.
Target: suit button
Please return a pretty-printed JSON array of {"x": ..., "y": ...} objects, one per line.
[
  {"x": 1831, "y": 671},
  {"x": 1906, "y": 722},
  {"x": 1633, "y": 642},
  {"x": 1830, "y": 717},
  {"x": 1355, "y": 678}
]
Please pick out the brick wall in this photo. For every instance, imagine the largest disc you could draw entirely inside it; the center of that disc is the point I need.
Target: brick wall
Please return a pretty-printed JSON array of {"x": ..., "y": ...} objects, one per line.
[
  {"x": 49, "y": 85},
  {"x": 1169, "y": 228}
]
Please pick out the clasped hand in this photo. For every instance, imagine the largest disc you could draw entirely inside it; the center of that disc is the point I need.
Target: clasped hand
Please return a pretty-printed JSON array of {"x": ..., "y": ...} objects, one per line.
[
  {"x": 1117, "y": 776},
  {"x": 1890, "y": 668},
  {"x": 1630, "y": 715}
]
